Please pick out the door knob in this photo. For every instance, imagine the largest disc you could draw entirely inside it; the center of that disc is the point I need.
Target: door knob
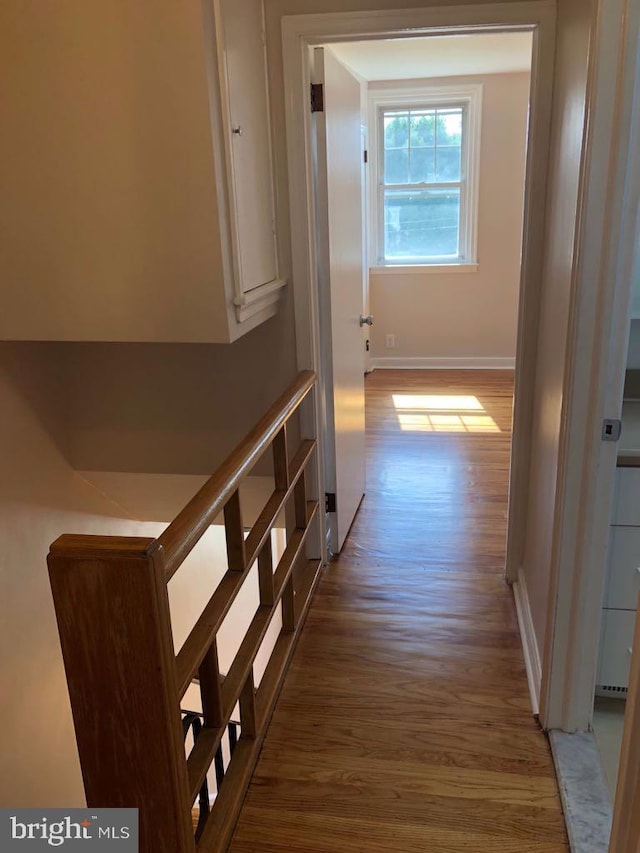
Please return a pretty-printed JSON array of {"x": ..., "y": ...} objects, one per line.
[{"x": 366, "y": 320}]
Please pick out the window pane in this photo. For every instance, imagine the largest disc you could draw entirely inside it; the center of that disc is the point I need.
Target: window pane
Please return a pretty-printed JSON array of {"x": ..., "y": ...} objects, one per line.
[
  {"x": 448, "y": 164},
  {"x": 396, "y": 130},
  {"x": 423, "y": 128},
  {"x": 422, "y": 224},
  {"x": 422, "y": 165},
  {"x": 396, "y": 166},
  {"x": 449, "y": 127}
]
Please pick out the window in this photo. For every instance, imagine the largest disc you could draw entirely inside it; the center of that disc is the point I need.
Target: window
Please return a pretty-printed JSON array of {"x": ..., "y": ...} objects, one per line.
[{"x": 425, "y": 171}]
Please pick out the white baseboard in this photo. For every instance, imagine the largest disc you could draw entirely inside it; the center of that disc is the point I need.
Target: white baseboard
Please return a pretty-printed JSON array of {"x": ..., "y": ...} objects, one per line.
[
  {"x": 469, "y": 363},
  {"x": 529, "y": 642}
]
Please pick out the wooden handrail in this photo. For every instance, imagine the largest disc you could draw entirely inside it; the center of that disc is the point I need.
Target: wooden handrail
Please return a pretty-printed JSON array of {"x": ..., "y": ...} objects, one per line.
[
  {"x": 125, "y": 680},
  {"x": 190, "y": 524}
]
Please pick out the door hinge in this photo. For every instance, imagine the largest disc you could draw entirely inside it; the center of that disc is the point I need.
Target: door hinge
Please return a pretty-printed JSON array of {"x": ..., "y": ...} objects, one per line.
[
  {"x": 611, "y": 429},
  {"x": 317, "y": 98},
  {"x": 366, "y": 156},
  {"x": 367, "y": 346},
  {"x": 330, "y": 502}
]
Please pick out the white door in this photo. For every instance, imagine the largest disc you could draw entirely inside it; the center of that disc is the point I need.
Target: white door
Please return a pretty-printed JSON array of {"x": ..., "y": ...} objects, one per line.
[{"x": 339, "y": 190}]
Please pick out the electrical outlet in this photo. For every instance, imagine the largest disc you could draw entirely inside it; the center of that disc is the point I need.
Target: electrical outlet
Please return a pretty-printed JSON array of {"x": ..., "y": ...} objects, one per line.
[{"x": 390, "y": 341}]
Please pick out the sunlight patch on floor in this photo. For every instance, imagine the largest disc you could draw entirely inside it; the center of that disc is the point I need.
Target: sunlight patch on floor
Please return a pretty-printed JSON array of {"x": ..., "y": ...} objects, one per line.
[{"x": 442, "y": 413}]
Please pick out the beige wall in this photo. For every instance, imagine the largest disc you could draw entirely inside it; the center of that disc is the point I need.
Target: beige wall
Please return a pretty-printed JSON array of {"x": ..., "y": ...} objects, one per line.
[
  {"x": 108, "y": 218},
  {"x": 468, "y": 315},
  {"x": 574, "y": 20},
  {"x": 161, "y": 408}
]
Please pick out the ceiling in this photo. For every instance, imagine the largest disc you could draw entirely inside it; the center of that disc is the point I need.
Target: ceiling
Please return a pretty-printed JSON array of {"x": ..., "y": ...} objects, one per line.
[{"x": 436, "y": 56}]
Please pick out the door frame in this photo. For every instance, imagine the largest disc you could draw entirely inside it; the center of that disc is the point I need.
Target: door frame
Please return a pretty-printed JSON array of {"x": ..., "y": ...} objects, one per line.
[
  {"x": 606, "y": 259},
  {"x": 299, "y": 34}
]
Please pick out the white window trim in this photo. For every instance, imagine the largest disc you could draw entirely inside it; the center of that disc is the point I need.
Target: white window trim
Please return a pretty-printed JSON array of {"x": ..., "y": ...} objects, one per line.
[
  {"x": 417, "y": 93},
  {"x": 455, "y": 268}
]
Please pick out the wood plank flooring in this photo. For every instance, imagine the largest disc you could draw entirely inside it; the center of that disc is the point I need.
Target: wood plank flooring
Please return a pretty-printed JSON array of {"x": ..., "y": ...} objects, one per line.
[{"x": 404, "y": 723}]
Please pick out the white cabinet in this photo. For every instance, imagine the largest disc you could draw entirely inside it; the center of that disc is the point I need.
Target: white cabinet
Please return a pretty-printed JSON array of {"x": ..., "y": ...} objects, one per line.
[
  {"x": 623, "y": 574},
  {"x": 137, "y": 195},
  {"x": 246, "y": 130},
  {"x": 635, "y": 297},
  {"x": 615, "y": 650},
  {"x": 626, "y": 501},
  {"x": 622, "y": 585}
]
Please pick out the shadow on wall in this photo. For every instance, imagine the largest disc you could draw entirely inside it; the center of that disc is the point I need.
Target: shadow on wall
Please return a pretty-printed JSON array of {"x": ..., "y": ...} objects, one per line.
[
  {"x": 40, "y": 497},
  {"x": 165, "y": 408}
]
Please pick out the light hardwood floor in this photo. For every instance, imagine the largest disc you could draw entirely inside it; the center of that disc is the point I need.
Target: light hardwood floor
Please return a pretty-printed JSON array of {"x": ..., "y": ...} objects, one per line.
[{"x": 404, "y": 723}]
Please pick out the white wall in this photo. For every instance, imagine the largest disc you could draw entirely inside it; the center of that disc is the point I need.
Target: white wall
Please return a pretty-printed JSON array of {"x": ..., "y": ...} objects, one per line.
[
  {"x": 469, "y": 316},
  {"x": 41, "y": 497}
]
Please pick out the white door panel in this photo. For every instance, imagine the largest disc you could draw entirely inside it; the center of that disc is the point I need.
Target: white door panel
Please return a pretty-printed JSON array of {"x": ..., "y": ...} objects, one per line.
[
  {"x": 616, "y": 647},
  {"x": 340, "y": 184},
  {"x": 626, "y": 501}
]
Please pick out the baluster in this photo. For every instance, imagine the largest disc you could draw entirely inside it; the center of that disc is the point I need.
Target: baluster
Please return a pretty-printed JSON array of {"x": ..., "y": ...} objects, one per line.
[
  {"x": 289, "y": 617},
  {"x": 235, "y": 533},
  {"x": 265, "y": 574},
  {"x": 209, "y": 675},
  {"x": 248, "y": 725},
  {"x": 300, "y": 502},
  {"x": 281, "y": 460}
]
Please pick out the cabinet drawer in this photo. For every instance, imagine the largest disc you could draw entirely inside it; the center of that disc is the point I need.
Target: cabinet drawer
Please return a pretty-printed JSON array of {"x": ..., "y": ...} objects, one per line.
[
  {"x": 626, "y": 501},
  {"x": 623, "y": 575},
  {"x": 615, "y": 643}
]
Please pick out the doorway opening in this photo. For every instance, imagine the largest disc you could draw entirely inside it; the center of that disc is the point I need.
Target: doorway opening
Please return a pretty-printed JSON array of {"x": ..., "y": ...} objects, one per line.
[
  {"x": 420, "y": 156},
  {"x": 326, "y": 321}
]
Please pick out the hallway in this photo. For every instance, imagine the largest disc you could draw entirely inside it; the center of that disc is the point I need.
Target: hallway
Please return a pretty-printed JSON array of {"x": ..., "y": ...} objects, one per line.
[{"x": 404, "y": 723}]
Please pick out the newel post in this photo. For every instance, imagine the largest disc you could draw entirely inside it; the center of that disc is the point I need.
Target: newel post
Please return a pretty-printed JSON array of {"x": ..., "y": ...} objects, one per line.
[{"x": 111, "y": 603}]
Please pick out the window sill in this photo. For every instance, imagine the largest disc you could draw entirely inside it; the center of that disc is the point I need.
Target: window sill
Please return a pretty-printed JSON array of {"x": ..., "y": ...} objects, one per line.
[{"x": 423, "y": 269}]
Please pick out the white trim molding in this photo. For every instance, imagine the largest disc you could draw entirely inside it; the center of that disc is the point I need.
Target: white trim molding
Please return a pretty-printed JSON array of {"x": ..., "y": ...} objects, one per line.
[
  {"x": 480, "y": 362},
  {"x": 530, "y": 648},
  {"x": 261, "y": 299},
  {"x": 607, "y": 261},
  {"x": 423, "y": 269}
]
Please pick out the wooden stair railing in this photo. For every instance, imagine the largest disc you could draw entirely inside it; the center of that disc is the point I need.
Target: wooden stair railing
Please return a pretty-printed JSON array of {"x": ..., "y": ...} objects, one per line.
[{"x": 125, "y": 682}]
